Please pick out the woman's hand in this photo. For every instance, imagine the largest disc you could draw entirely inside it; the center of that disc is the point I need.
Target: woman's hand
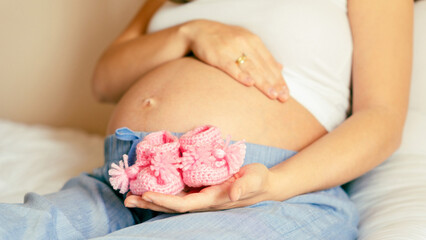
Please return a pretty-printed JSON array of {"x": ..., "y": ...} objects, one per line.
[
  {"x": 252, "y": 184},
  {"x": 221, "y": 45}
]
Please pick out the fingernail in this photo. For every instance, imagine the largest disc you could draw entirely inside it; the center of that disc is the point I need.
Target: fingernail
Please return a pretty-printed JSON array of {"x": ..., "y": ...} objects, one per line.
[
  {"x": 147, "y": 199},
  {"x": 131, "y": 204},
  {"x": 273, "y": 93},
  {"x": 238, "y": 195},
  {"x": 283, "y": 95},
  {"x": 248, "y": 80}
]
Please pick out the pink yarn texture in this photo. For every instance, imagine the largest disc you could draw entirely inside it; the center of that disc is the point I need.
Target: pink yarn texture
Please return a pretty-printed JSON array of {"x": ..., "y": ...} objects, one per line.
[
  {"x": 207, "y": 159},
  {"x": 157, "y": 167},
  {"x": 165, "y": 164}
]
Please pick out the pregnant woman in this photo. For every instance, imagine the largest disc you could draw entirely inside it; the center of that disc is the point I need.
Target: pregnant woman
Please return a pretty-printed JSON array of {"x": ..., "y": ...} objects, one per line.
[{"x": 318, "y": 89}]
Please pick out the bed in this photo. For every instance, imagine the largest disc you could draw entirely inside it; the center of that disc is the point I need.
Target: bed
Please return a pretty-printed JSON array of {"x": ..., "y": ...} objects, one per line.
[{"x": 391, "y": 198}]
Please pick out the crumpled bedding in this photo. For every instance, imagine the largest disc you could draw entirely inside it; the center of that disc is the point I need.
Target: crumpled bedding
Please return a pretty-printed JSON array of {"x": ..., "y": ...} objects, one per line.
[
  {"x": 391, "y": 198},
  {"x": 41, "y": 159}
]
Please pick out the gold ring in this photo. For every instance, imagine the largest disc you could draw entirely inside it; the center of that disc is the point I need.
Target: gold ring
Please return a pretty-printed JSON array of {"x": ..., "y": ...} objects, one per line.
[{"x": 241, "y": 59}]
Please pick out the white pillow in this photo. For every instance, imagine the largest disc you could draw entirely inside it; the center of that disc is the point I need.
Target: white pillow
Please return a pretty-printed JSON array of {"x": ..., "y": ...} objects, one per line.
[{"x": 392, "y": 197}]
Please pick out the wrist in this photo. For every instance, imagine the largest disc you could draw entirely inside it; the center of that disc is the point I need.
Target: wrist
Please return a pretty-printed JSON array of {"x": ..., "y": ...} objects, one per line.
[
  {"x": 188, "y": 30},
  {"x": 193, "y": 29},
  {"x": 273, "y": 190},
  {"x": 281, "y": 186}
]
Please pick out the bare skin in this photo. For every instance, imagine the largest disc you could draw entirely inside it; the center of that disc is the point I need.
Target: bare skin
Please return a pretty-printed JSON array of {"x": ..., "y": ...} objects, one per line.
[
  {"x": 186, "y": 93},
  {"x": 381, "y": 71}
]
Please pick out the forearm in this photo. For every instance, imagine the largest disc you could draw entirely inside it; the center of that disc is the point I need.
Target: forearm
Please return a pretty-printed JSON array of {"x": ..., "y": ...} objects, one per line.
[
  {"x": 134, "y": 53},
  {"x": 362, "y": 142},
  {"x": 122, "y": 64},
  {"x": 381, "y": 72}
]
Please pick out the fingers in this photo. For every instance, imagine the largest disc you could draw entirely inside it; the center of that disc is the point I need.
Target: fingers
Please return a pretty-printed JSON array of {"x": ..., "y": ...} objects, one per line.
[
  {"x": 209, "y": 198},
  {"x": 188, "y": 203},
  {"x": 233, "y": 69},
  {"x": 274, "y": 91},
  {"x": 245, "y": 188},
  {"x": 222, "y": 46},
  {"x": 133, "y": 201},
  {"x": 264, "y": 74},
  {"x": 249, "y": 182},
  {"x": 235, "y": 193},
  {"x": 238, "y": 190},
  {"x": 275, "y": 85},
  {"x": 180, "y": 203}
]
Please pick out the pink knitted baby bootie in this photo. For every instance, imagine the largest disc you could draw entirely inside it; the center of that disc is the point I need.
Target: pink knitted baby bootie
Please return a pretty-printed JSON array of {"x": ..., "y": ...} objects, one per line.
[
  {"x": 156, "y": 168},
  {"x": 207, "y": 159}
]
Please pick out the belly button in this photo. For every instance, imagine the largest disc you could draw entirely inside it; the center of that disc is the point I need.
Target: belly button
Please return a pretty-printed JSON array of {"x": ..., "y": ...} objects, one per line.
[{"x": 148, "y": 102}]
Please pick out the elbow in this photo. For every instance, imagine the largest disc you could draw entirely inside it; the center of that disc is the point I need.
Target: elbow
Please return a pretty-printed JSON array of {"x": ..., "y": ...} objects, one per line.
[
  {"x": 398, "y": 130},
  {"x": 398, "y": 138},
  {"x": 99, "y": 85},
  {"x": 396, "y": 143}
]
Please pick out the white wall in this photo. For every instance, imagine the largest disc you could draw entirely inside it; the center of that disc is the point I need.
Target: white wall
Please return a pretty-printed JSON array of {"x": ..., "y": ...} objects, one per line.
[{"x": 48, "y": 49}]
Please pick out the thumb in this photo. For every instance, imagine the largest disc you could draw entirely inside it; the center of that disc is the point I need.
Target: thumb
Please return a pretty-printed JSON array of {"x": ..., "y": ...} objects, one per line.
[
  {"x": 238, "y": 187},
  {"x": 236, "y": 191},
  {"x": 248, "y": 181}
]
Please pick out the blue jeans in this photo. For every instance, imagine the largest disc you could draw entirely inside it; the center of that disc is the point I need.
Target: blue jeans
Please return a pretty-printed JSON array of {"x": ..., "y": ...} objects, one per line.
[{"x": 87, "y": 207}]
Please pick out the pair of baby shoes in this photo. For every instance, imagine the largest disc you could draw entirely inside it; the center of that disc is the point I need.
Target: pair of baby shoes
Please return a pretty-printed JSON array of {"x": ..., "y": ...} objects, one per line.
[{"x": 165, "y": 164}]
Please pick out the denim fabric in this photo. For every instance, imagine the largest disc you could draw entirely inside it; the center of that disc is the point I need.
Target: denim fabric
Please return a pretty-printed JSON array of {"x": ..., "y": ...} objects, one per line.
[{"x": 87, "y": 207}]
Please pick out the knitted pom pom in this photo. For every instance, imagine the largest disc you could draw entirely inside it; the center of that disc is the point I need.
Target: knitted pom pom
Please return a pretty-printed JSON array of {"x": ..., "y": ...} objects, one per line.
[
  {"x": 119, "y": 178},
  {"x": 234, "y": 155}
]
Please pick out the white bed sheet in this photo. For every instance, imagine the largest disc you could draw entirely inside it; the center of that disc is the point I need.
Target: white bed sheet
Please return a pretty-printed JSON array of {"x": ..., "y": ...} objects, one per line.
[
  {"x": 41, "y": 159},
  {"x": 391, "y": 198}
]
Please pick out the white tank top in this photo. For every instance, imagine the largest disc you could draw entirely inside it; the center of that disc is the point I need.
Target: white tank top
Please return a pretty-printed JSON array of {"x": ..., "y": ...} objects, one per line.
[{"x": 311, "y": 38}]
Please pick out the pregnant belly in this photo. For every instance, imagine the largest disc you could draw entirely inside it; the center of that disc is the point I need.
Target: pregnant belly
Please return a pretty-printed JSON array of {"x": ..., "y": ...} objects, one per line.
[{"x": 185, "y": 93}]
